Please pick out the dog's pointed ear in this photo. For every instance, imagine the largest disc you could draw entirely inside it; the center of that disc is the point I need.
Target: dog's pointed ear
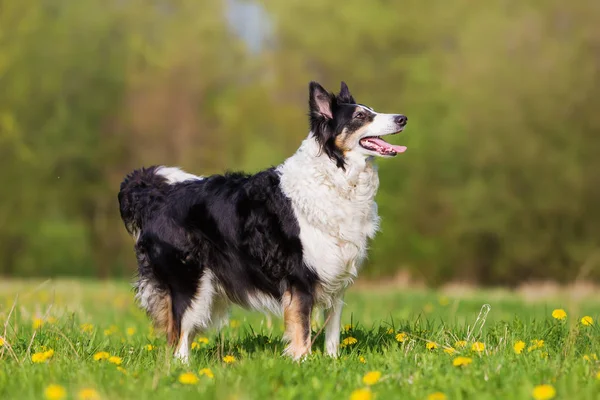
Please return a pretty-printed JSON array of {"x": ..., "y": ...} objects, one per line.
[
  {"x": 319, "y": 100},
  {"x": 345, "y": 96}
]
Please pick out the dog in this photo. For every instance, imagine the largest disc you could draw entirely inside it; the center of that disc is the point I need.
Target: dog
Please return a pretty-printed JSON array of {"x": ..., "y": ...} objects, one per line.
[{"x": 284, "y": 240}]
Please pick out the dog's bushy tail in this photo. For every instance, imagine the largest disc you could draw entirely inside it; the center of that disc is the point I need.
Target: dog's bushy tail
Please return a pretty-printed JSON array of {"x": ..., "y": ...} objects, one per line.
[{"x": 142, "y": 191}]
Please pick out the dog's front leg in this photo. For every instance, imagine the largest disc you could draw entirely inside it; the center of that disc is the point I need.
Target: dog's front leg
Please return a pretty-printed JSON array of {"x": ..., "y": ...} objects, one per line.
[
  {"x": 333, "y": 317},
  {"x": 297, "y": 308}
]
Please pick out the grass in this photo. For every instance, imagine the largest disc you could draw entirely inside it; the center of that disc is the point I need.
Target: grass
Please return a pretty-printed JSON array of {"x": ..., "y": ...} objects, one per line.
[{"x": 52, "y": 315}]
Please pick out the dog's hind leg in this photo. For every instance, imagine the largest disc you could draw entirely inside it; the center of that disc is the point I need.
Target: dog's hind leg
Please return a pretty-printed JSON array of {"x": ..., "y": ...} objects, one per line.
[
  {"x": 297, "y": 308},
  {"x": 207, "y": 308}
]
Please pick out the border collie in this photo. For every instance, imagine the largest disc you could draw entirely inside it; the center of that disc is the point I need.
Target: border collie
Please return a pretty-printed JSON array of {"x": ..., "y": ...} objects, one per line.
[{"x": 284, "y": 240}]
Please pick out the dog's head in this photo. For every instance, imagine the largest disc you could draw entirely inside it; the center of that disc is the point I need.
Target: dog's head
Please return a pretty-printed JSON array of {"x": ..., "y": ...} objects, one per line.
[{"x": 346, "y": 129}]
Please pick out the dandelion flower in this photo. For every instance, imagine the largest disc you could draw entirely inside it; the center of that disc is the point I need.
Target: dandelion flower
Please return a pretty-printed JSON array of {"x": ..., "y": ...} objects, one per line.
[
  {"x": 390, "y": 331},
  {"x": 149, "y": 347},
  {"x": 437, "y": 396},
  {"x": 590, "y": 357},
  {"x": 202, "y": 340},
  {"x": 38, "y": 357},
  {"x": 229, "y": 359},
  {"x": 2, "y": 342},
  {"x": 195, "y": 346},
  {"x": 348, "y": 327},
  {"x": 37, "y": 323},
  {"x": 535, "y": 344},
  {"x": 86, "y": 328},
  {"x": 55, "y": 392},
  {"x": 371, "y": 378},
  {"x": 189, "y": 378},
  {"x": 206, "y": 372},
  {"x": 362, "y": 360},
  {"x": 431, "y": 346},
  {"x": 349, "y": 341},
  {"x": 449, "y": 350},
  {"x": 401, "y": 337},
  {"x": 598, "y": 375},
  {"x": 102, "y": 355},
  {"x": 115, "y": 360},
  {"x": 559, "y": 314},
  {"x": 519, "y": 346},
  {"x": 543, "y": 392},
  {"x": 130, "y": 331},
  {"x": 587, "y": 321},
  {"x": 88, "y": 394},
  {"x": 462, "y": 361},
  {"x": 361, "y": 394},
  {"x": 460, "y": 344},
  {"x": 478, "y": 347}
]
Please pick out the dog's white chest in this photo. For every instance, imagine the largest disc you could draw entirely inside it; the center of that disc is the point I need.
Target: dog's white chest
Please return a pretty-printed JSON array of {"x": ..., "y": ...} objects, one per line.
[{"x": 337, "y": 215}]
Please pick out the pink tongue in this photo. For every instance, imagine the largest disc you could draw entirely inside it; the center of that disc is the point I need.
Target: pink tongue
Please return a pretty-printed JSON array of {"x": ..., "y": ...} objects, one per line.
[{"x": 385, "y": 145}]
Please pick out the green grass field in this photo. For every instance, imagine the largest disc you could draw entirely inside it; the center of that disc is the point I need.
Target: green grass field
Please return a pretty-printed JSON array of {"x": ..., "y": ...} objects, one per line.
[{"x": 53, "y": 332}]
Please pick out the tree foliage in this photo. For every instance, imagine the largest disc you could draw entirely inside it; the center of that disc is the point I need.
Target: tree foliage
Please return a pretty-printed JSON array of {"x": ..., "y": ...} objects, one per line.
[{"x": 501, "y": 181}]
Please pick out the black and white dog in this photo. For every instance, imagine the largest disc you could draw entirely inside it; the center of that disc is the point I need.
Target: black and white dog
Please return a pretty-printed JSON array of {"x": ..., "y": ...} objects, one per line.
[{"x": 284, "y": 240}]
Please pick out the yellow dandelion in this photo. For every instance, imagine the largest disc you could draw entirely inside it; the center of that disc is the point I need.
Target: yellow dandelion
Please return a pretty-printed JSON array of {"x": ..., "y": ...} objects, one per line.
[
  {"x": 519, "y": 346},
  {"x": 234, "y": 323},
  {"x": 437, "y": 396},
  {"x": 598, "y": 375},
  {"x": 371, "y": 378},
  {"x": 478, "y": 347},
  {"x": 101, "y": 355},
  {"x": 39, "y": 357},
  {"x": 361, "y": 394},
  {"x": 37, "y": 323},
  {"x": 195, "y": 346},
  {"x": 202, "y": 340},
  {"x": 390, "y": 331},
  {"x": 559, "y": 314},
  {"x": 590, "y": 357},
  {"x": 2, "y": 341},
  {"x": 189, "y": 378},
  {"x": 122, "y": 370},
  {"x": 401, "y": 337},
  {"x": 460, "y": 344},
  {"x": 149, "y": 347},
  {"x": 587, "y": 321},
  {"x": 362, "y": 360},
  {"x": 55, "y": 392},
  {"x": 229, "y": 359},
  {"x": 449, "y": 350},
  {"x": 130, "y": 331},
  {"x": 88, "y": 394},
  {"x": 431, "y": 346},
  {"x": 462, "y": 361},
  {"x": 535, "y": 344},
  {"x": 115, "y": 360},
  {"x": 86, "y": 328},
  {"x": 348, "y": 327},
  {"x": 48, "y": 353},
  {"x": 206, "y": 372},
  {"x": 349, "y": 341},
  {"x": 543, "y": 392}
]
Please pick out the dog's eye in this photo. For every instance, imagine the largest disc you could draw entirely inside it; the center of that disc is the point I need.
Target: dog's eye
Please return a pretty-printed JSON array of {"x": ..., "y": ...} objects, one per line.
[{"x": 359, "y": 115}]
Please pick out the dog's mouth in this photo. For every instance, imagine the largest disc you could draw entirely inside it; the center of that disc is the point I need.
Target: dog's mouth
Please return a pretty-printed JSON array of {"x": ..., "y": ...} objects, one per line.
[{"x": 378, "y": 145}]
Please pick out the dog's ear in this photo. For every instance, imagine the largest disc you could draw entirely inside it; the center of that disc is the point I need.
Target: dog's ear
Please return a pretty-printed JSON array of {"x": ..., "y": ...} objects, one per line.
[
  {"x": 319, "y": 101},
  {"x": 345, "y": 96}
]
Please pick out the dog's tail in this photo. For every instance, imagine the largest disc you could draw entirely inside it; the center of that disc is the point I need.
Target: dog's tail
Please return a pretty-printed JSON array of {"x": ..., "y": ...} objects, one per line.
[{"x": 143, "y": 191}]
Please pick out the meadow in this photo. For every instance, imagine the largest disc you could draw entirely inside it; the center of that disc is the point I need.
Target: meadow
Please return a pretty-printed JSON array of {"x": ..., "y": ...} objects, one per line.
[{"x": 88, "y": 340}]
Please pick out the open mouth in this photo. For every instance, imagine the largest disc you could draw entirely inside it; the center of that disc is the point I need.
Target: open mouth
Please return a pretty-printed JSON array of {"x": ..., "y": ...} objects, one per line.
[{"x": 380, "y": 146}]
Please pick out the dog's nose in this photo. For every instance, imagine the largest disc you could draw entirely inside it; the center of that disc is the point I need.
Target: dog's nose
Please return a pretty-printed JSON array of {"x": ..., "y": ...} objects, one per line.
[{"x": 401, "y": 120}]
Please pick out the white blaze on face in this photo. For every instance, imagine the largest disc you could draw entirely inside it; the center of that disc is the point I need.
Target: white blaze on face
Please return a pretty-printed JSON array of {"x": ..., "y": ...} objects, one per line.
[{"x": 383, "y": 124}]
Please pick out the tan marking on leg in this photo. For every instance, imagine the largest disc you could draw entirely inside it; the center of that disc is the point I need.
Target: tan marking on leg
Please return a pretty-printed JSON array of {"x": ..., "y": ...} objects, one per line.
[{"x": 295, "y": 327}]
